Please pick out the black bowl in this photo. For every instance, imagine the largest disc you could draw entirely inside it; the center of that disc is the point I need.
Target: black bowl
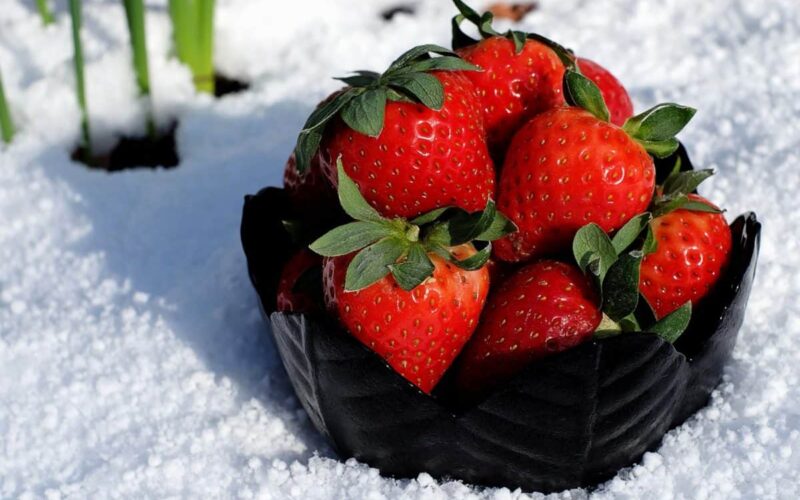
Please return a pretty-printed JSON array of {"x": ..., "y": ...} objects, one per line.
[{"x": 572, "y": 419}]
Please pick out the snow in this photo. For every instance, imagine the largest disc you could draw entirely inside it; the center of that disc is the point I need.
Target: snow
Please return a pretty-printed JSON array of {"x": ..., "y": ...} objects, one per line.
[{"x": 133, "y": 361}]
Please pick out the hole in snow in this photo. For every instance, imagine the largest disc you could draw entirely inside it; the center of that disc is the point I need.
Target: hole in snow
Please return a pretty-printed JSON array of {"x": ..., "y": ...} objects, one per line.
[
  {"x": 224, "y": 85},
  {"x": 134, "y": 152}
]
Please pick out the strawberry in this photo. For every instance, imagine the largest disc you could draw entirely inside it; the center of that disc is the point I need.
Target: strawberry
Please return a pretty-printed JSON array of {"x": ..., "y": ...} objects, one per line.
[
  {"x": 614, "y": 94},
  {"x": 543, "y": 308},
  {"x": 514, "y": 85},
  {"x": 522, "y": 76},
  {"x": 418, "y": 332},
  {"x": 299, "y": 282},
  {"x": 568, "y": 167},
  {"x": 565, "y": 168},
  {"x": 309, "y": 193},
  {"x": 693, "y": 247},
  {"x": 412, "y": 291},
  {"x": 412, "y": 138}
]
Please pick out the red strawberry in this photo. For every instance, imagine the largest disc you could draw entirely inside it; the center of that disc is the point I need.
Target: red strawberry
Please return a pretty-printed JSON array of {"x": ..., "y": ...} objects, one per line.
[
  {"x": 418, "y": 332},
  {"x": 411, "y": 138},
  {"x": 543, "y": 308},
  {"x": 523, "y": 76},
  {"x": 564, "y": 169},
  {"x": 309, "y": 192},
  {"x": 616, "y": 97},
  {"x": 423, "y": 159},
  {"x": 513, "y": 87},
  {"x": 291, "y": 296},
  {"x": 693, "y": 249}
]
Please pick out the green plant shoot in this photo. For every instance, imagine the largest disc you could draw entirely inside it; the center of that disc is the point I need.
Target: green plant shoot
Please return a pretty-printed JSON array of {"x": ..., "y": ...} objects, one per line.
[
  {"x": 6, "y": 125},
  {"x": 193, "y": 36},
  {"x": 44, "y": 11},
  {"x": 80, "y": 80},
  {"x": 134, "y": 12}
]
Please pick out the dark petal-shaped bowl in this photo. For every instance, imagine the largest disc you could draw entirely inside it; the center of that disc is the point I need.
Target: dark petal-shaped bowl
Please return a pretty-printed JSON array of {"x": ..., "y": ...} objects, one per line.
[{"x": 572, "y": 419}]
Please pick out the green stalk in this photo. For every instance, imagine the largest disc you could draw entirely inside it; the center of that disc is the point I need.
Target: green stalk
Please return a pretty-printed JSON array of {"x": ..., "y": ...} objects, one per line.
[
  {"x": 193, "y": 35},
  {"x": 205, "y": 47},
  {"x": 134, "y": 12},
  {"x": 75, "y": 13},
  {"x": 44, "y": 11},
  {"x": 6, "y": 125}
]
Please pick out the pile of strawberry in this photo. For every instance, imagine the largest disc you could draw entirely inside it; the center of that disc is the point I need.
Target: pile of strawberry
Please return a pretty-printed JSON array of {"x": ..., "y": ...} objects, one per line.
[{"x": 503, "y": 206}]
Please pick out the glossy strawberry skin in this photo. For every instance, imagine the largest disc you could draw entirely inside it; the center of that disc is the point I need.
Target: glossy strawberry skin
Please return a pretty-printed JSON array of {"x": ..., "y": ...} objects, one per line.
[
  {"x": 693, "y": 250},
  {"x": 563, "y": 170},
  {"x": 423, "y": 159},
  {"x": 619, "y": 104},
  {"x": 309, "y": 193},
  {"x": 513, "y": 87},
  {"x": 289, "y": 299},
  {"x": 543, "y": 308},
  {"x": 418, "y": 332}
]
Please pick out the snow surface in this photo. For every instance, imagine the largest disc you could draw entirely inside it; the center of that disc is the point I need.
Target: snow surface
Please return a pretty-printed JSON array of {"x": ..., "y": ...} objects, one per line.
[{"x": 133, "y": 361}]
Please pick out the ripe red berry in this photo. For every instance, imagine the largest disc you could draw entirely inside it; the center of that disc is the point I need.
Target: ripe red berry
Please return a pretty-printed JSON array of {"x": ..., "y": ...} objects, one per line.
[
  {"x": 418, "y": 332},
  {"x": 291, "y": 297},
  {"x": 693, "y": 250},
  {"x": 423, "y": 159},
  {"x": 563, "y": 170},
  {"x": 513, "y": 87},
  {"x": 310, "y": 192},
  {"x": 543, "y": 308}
]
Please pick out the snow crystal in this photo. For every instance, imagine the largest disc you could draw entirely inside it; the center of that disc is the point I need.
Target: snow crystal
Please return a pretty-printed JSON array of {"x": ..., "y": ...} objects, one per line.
[{"x": 133, "y": 362}]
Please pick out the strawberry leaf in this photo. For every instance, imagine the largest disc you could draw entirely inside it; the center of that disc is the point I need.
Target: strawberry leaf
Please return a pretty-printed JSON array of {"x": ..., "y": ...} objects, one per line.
[
  {"x": 459, "y": 38},
  {"x": 445, "y": 63},
  {"x": 372, "y": 263},
  {"x": 699, "y": 206},
  {"x": 685, "y": 182},
  {"x": 621, "y": 286},
  {"x": 518, "y": 38},
  {"x": 351, "y": 199},
  {"x": 630, "y": 231},
  {"x": 650, "y": 244},
  {"x": 350, "y": 237},
  {"x": 673, "y": 325},
  {"x": 500, "y": 226},
  {"x": 607, "y": 328},
  {"x": 669, "y": 204},
  {"x": 472, "y": 263},
  {"x": 364, "y": 113},
  {"x": 414, "y": 270},
  {"x": 659, "y": 123},
  {"x": 310, "y": 136},
  {"x": 431, "y": 216},
  {"x": 464, "y": 227},
  {"x": 659, "y": 149},
  {"x": 630, "y": 323},
  {"x": 417, "y": 53},
  {"x": 468, "y": 12},
  {"x": 360, "y": 78},
  {"x": 423, "y": 86},
  {"x": 582, "y": 92},
  {"x": 593, "y": 251}
]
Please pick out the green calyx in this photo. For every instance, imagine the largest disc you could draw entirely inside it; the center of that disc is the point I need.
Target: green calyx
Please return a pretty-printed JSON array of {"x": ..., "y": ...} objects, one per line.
[
  {"x": 656, "y": 128},
  {"x": 614, "y": 264},
  {"x": 362, "y": 104},
  {"x": 402, "y": 247},
  {"x": 484, "y": 24},
  {"x": 675, "y": 191}
]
